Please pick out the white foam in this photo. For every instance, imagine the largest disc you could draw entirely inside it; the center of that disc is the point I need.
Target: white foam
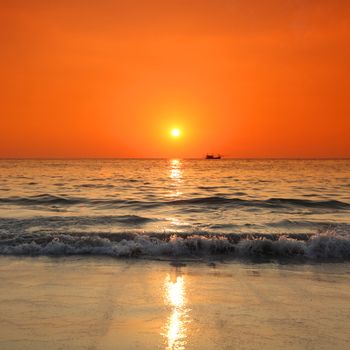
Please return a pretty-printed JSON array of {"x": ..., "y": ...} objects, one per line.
[{"x": 321, "y": 246}]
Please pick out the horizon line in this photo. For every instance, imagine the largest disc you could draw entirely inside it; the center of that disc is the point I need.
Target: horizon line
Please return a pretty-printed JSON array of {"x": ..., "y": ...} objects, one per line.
[{"x": 165, "y": 158}]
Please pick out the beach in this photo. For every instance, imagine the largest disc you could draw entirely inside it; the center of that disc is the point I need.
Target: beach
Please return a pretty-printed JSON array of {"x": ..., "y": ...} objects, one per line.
[{"x": 99, "y": 303}]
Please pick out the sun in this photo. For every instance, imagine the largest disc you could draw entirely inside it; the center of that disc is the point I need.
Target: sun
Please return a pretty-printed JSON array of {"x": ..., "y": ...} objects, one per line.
[{"x": 175, "y": 133}]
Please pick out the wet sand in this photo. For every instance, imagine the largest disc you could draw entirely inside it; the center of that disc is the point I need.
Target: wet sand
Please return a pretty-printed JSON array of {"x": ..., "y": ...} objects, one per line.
[{"x": 92, "y": 303}]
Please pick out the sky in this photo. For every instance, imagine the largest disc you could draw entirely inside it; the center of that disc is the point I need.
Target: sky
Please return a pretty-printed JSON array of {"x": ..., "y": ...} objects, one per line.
[{"x": 111, "y": 78}]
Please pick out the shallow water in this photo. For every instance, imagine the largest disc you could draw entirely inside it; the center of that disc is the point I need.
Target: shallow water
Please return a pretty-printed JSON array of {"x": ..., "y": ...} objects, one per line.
[
  {"x": 98, "y": 303},
  {"x": 65, "y": 206}
]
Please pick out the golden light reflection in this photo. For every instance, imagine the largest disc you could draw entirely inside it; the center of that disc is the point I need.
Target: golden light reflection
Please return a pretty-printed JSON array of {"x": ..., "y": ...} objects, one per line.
[
  {"x": 176, "y": 331},
  {"x": 175, "y": 170},
  {"x": 176, "y": 291},
  {"x": 175, "y": 175},
  {"x": 177, "y": 222},
  {"x": 175, "y": 182}
]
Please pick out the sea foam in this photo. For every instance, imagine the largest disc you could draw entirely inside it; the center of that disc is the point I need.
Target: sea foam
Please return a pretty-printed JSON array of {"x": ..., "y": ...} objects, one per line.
[{"x": 325, "y": 246}]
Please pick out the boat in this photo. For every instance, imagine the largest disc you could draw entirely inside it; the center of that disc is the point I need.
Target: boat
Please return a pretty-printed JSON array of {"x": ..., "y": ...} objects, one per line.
[{"x": 212, "y": 156}]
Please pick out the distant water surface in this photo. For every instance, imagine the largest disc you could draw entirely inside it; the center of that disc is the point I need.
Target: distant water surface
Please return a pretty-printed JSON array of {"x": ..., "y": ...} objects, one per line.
[{"x": 89, "y": 206}]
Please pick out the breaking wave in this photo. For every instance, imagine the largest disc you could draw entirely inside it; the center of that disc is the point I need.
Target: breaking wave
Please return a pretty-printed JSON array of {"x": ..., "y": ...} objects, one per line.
[{"x": 326, "y": 247}]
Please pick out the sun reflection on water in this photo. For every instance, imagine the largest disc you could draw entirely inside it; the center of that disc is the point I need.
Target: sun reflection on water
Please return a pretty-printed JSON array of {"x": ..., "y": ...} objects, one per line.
[
  {"x": 175, "y": 176},
  {"x": 175, "y": 170},
  {"x": 176, "y": 327}
]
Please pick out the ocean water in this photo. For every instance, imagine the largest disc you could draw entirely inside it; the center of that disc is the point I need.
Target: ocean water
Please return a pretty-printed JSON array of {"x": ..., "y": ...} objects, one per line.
[
  {"x": 194, "y": 209},
  {"x": 174, "y": 254}
]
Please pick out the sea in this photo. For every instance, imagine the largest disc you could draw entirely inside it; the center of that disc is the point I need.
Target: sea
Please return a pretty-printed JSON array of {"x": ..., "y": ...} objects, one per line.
[
  {"x": 174, "y": 254},
  {"x": 193, "y": 209}
]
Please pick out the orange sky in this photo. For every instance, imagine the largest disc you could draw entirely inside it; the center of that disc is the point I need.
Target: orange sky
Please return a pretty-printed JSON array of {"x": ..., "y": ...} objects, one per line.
[{"x": 109, "y": 78}]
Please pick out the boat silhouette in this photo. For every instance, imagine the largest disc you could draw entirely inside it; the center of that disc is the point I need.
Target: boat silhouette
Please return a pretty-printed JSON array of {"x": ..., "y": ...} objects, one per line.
[{"x": 212, "y": 156}]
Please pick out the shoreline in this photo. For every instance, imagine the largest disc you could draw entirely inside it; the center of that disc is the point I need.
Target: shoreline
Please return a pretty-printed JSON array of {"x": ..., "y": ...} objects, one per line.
[{"x": 98, "y": 303}]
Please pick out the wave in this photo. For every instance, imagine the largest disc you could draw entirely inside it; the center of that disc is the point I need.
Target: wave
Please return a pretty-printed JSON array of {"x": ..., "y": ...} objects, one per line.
[
  {"x": 328, "y": 246},
  {"x": 272, "y": 202},
  {"x": 48, "y": 199},
  {"x": 40, "y": 199},
  {"x": 54, "y": 222},
  {"x": 94, "y": 185}
]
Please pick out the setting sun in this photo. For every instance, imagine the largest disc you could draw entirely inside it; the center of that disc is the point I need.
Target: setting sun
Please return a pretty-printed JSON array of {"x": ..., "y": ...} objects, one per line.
[{"x": 175, "y": 133}]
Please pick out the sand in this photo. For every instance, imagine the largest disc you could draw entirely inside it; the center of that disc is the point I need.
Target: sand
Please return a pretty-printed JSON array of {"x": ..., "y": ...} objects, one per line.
[{"x": 102, "y": 303}]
